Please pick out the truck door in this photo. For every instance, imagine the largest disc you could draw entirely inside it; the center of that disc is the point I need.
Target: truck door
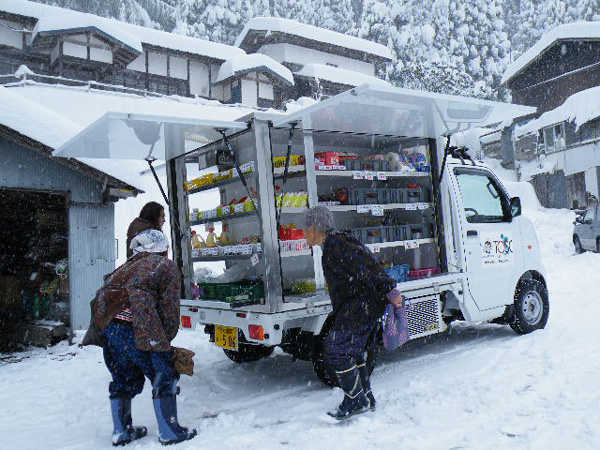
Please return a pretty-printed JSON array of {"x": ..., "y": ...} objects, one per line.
[
  {"x": 587, "y": 230},
  {"x": 491, "y": 240}
]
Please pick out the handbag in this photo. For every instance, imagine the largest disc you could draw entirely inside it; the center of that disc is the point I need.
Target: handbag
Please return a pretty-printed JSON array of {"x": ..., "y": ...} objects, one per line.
[
  {"x": 182, "y": 361},
  {"x": 395, "y": 326}
]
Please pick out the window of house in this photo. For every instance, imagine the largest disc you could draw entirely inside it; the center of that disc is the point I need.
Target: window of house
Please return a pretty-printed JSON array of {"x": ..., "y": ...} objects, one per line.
[
  {"x": 549, "y": 139},
  {"x": 541, "y": 144},
  {"x": 587, "y": 131},
  {"x": 571, "y": 134},
  {"x": 559, "y": 138},
  {"x": 236, "y": 92}
]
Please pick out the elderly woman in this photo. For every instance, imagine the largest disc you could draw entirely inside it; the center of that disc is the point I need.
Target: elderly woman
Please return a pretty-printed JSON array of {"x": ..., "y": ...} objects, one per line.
[
  {"x": 152, "y": 217},
  {"x": 359, "y": 289},
  {"x": 137, "y": 310}
]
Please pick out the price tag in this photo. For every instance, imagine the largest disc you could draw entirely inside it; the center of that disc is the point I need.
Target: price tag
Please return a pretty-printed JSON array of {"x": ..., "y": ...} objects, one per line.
[
  {"x": 357, "y": 175},
  {"x": 382, "y": 176},
  {"x": 255, "y": 259},
  {"x": 423, "y": 205},
  {"x": 226, "y": 209},
  {"x": 377, "y": 210},
  {"x": 410, "y": 245},
  {"x": 239, "y": 207},
  {"x": 411, "y": 206},
  {"x": 375, "y": 248},
  {"x": 368, "y": 175},
  {"x": 362, "y": 209}
]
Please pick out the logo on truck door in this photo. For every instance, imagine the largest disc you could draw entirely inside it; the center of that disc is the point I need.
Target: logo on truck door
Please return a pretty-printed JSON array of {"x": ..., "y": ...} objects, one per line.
[{"x": 496, "y": 250}]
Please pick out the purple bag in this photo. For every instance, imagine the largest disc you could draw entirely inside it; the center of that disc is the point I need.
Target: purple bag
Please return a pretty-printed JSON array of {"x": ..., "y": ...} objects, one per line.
[{"x": 395, "y": 326}]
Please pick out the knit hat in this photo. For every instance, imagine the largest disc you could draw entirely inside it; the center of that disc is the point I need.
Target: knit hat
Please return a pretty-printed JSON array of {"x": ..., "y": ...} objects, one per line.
[{"x": 151, "y": 241}]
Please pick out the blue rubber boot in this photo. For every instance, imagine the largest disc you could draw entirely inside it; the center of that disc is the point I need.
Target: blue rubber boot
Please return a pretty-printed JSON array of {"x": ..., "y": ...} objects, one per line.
[
  {"x": 169, "y": 430},
  {"x": 123, "y": 431},
  {"x": 366, "y": 383},
  {"x": 355, "y": 401}
]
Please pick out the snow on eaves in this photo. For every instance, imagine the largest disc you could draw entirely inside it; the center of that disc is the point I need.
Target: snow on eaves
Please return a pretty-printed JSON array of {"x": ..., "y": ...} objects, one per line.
[
  {"x": 250, "y": 63},
  {"x": 291, "y": 27},
  {"x": 145, "y": 35},
  {"x": 578, "y": 30},
  {"x": 578, "y": 108},
  {"x": 337, "y": 75},
  {"x": 80, "y": 21}
]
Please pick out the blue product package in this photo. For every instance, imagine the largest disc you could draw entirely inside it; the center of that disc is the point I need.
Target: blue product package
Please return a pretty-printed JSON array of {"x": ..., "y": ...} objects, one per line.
[{"x": 399, "y": 272}]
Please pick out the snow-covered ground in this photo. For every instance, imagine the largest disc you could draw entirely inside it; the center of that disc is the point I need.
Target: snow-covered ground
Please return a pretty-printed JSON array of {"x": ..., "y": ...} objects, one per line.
[{"x": 474, "y": 387}]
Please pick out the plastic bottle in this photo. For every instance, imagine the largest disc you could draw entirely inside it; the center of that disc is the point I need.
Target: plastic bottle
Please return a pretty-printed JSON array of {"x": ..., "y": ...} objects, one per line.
[
  {"x": 211, "y": 239},
  {"x": 224, "y": 238},
  {"x": 197, "y": 241}
]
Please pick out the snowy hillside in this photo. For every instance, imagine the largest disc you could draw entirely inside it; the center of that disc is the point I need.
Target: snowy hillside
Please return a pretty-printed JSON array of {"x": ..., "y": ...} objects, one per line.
[
  {"x": 474, "y": 387},
  {"x": 459, "y": 47}
]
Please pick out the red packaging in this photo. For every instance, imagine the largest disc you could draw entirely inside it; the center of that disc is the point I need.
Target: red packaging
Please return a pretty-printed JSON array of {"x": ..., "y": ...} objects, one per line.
[{"x": 327, "y": 158}]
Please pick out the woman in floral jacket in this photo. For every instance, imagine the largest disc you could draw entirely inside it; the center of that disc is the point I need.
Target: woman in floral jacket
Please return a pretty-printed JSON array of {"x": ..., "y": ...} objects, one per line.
[{"x": 137, "y": 310}]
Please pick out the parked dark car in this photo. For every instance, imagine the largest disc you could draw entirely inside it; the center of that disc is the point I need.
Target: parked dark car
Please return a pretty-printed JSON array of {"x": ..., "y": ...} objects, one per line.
[{"x": 586, "y": 234}]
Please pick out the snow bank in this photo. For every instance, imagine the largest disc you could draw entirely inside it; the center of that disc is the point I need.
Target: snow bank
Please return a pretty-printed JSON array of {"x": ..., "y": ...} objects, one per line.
[
  {"x": 578, "y": 30},
  {"x": 75, "y": 21},
  {"x": 337, "y": 75},
  {"x": 578, "y": 108},
  {"x": 291, "y": 27},
  {"x": 255, "y": 62}
]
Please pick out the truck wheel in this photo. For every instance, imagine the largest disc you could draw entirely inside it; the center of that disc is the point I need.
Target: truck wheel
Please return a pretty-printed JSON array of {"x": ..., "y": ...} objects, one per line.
[
  {"x": 577, "y": 244},
  {"x": 248, "y": 352},
  {"x": 531, "y": 307}
]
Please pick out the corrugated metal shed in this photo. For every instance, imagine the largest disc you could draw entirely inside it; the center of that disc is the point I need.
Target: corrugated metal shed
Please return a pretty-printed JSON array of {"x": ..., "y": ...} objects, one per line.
[{"x": 91, "y": 218}]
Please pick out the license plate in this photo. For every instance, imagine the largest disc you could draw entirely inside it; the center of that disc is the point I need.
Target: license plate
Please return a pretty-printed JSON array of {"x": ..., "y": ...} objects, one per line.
[{"x": 226, "y": 337}]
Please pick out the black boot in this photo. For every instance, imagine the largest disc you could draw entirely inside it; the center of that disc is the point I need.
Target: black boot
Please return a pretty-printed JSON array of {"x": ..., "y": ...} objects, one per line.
[
  {"x": 366, "y": 383},
  {"x": 169, "y": 430},
  {"x": 123, "y": 431},
  {"x": 355, "y": 401}
]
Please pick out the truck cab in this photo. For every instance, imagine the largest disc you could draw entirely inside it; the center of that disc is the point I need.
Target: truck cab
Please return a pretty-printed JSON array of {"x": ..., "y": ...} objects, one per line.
[{"x": 439, "y": 220}]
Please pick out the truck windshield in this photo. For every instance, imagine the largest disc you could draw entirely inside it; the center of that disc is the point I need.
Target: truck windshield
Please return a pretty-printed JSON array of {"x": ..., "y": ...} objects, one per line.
[{"x": 483, "y": 200}]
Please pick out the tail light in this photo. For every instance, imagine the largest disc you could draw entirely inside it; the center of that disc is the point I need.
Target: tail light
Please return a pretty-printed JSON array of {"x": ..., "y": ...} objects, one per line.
[
  {"x": 186, "y": 322},
  {"x": 256, "y": 332}
]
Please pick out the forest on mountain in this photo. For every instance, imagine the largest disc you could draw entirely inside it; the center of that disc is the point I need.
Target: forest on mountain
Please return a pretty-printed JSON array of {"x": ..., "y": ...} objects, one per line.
[{"x": 456, "y": 47}]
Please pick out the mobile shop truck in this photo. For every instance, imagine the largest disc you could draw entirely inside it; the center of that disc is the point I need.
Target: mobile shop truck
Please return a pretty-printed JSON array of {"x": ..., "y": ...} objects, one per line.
[{"x": 440, "y": 222}]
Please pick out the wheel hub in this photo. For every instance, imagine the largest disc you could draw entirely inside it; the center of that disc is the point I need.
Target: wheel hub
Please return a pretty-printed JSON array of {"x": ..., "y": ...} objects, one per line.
[{"x": 533, "y": 307}]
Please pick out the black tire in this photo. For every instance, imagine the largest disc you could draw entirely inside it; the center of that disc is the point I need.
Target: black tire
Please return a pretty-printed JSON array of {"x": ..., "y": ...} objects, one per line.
[
  {"x": 248, "y": 352},
  {"x": 321, "y": 366},
  {"x": 531, "y": 307},
  {"x": 577, "y": 244}
]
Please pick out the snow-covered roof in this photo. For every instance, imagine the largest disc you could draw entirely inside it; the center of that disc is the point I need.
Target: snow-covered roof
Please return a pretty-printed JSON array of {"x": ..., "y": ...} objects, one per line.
[
  {"x": 80, "y": 21},
  {"x": 578, "y": 108},
  {"x": 145, "y": 35},
  {"x": 54, "y": 114},
  {"x": 337, "y": 75},
  {"x": 332, "y": 38},
  {"x": 578, "y": 30},
  {"x": 250, "y": 63}
]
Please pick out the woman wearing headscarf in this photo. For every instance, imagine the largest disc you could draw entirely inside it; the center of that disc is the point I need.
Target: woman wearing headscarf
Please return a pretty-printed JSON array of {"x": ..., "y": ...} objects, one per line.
[
  {"x": 152, "y": 217},
  {"x": 137, "y": 310}
]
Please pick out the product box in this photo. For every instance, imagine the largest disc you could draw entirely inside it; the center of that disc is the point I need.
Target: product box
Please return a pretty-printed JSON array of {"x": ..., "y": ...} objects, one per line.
[{"x": 327, "y": 158}]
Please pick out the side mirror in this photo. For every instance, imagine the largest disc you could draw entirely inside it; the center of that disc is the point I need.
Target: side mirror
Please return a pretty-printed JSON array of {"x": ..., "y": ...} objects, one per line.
[
  {"x": 578, "y": 220},
  {"x": 515, "y": 207}
]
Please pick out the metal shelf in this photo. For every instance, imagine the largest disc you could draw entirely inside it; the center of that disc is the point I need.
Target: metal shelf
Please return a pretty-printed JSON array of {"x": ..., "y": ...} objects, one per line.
[
  {"x": 224, "y": 218},
  {"x": 278, "y": 171},
  {"x": 408, "y": 244},
  {"x": 304, "y": 252},
  {"x": 408, "y": 206},
  {"x": 350, "y": 173},
  {"x": 220, "y": 258}
]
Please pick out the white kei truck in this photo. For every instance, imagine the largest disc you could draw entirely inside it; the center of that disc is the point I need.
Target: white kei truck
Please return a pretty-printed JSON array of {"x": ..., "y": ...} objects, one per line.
[{"x": 377, "y": 156}]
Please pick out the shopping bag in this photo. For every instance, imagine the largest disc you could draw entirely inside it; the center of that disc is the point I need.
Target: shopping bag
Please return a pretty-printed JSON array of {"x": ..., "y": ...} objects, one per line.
[{"x": 395, "y": 326}]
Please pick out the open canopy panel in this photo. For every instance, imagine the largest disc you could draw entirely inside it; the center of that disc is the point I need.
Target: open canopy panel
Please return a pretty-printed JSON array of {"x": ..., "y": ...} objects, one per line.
[
  {"x": 390, "y": 111},
  {"x": 136, "y": 136}
]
